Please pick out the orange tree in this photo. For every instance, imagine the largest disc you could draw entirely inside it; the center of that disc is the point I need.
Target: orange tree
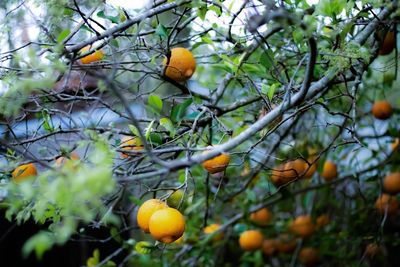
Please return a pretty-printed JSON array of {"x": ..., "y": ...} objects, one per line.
[{"x": 246, "y": 133}]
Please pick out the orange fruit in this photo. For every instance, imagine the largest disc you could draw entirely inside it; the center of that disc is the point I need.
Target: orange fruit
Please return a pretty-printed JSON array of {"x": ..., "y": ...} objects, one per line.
[
  {"x": 269, "y": 247},
  {"x": 130, "y": 143},
  {"x": 372, "y": 249},
  {"x": 211, "y": 229},
  {"x": 302, "y": 226},
  {"x": 251, "y": 240},
  {"x": 308, "y": 256},
  {"x": 395, "y": 144},
  {"x": 24, "y": 171},
  {"x": 310, "y": 169},
  {"x": 329, "y": 171},
  {"x": 181, "y": 65},
  {"x": 388, "y": 44},
  {"x": 382, "y": 110},
  {"x": 388, "y": 202},
  {"x": 288, "y": 172},
  {"x": 93, "y": 57},
  {"x": 167, "y": 225},
  {"x": 391, "y": 183},
  {"x": 146, "y": 210},
  {"x": 217, "y": 164},
  {"x": 261, "y": 217},
  {"x": 62, "y": 160},
  {"x": 322, "y": 221},
  {"x": 286, "y": 244}
]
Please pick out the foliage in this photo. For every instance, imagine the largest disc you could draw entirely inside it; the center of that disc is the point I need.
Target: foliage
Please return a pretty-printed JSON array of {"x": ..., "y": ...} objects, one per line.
[{"x": 275, "y": 82}]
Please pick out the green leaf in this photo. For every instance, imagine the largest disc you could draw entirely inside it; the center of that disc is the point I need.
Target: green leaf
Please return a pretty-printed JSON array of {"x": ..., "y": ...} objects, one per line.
[
  {"x": 134, "y": 130},
  {"x": 298, "y": 36},
  {"x": 86, "y": 28},
  {"x": 113, "y": 19},
  {"x": 201, "y": 12},
  {"x": 256, "y": 69},
  {"x": 216, "y": 9},
  {"x": 114, "y": 42},
  {"x": 192, "y": 115},
  {"x": 207, "y": 40},
  {"x": 272, "y": 90},
  {"x": 169, "y": 126},
  {"x": 40, "y": 243},
  {"x": 265, "y": 59},
  {"x": 95, "y": 259},
  {"x": 155, "y": 103},
  {"x": 162, "y": 31},
  {"x": 135, "y": 200},
  {"x": 47, "y": 121},
  {"x": 155, "y": 138},
  {"x": 331, "y": 8},
  {"x": 149, "y": 129},
  {"x": 196, "y": 45},
  {"x": 264, "y": 88},
  {"x": 179, "y": 111},
  {"x": 115, "y": 234},
  {"x": 63, "y": 35}
]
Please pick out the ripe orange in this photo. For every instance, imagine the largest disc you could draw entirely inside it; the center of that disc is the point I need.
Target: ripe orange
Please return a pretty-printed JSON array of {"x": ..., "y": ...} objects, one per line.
[
  {"x": 329, "y": 171},
  {"x": 302, "y": 226},
  {"x": 391, "y": 183},
  {"x": 288, "y": 172},
  {"x": 372, "y": 249},
  {"x": 261, "y": 217},
  {"x": 181, "y": 65},
  {"x": 322, "y": 221},
  {"x": 146, "y": 211},
  {"x": 388, "y": 202},
  {"x": 167, "y": 225},
  {"x": 24, "y": 171},
  {"x": 211, "y": 229},
  {"x": 95, "y": 56},
  {"x": 251, "y": 240},
  {"x": 62, "y": 160},
  {"x": 217, "y": 164},
  {"x": 382, "y": 110},
  {"x": 286, "y": 244},
  {"x": 130, "y": 143},
  {"x": 388, "y": 44},
  {"x": 269, "y": 247},
  {"x": 310, "y": 169},
  {"x": 308, "y": 256}
]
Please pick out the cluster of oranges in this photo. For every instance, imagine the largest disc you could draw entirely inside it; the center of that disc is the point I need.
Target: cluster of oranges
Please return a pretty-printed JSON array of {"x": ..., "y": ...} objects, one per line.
[
  {"x": 165, "y": 224},
  {"x": 290, "y": 171},
  {"x": 302, "y": 227},
  {"x": 286, "y": 244},
  {"x": 387, "y": 202},
  {"x": 28, "y": 170}
]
